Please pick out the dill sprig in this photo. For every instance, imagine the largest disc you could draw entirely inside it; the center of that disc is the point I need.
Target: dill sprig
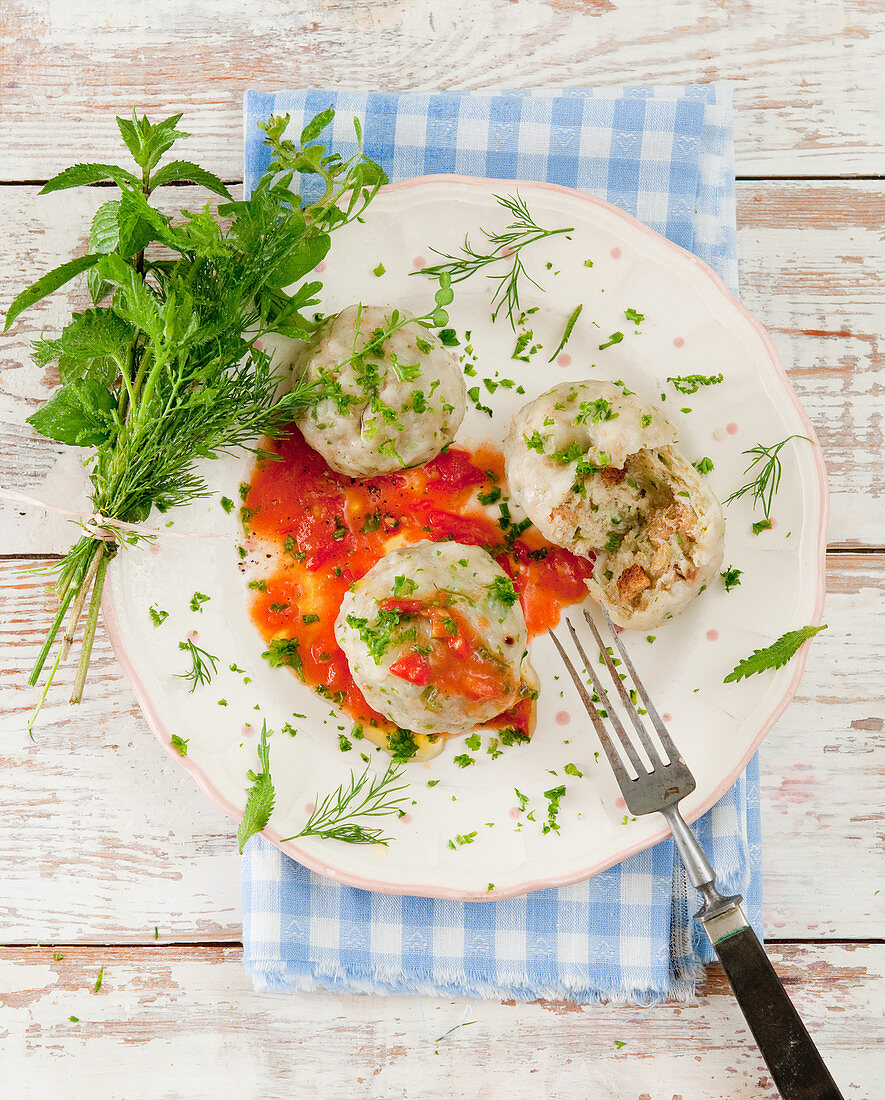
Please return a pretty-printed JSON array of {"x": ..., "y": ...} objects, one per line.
[
  {"x": 507, "y": 244},
  {"x": 203, "y": 665},
  {"x": 337, "y": 816},
  {"x": 167, "y": 368},
  {"x": 765, "y": 484}
]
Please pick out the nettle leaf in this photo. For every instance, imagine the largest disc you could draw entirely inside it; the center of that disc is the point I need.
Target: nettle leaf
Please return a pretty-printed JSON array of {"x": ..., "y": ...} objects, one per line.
[
  {"x": 95, "y": 332},
  {"x": 79, "y": 175},
  {"x": 135, "y": 303},
  {"x": 775, "y": 655},
  {"x": 180, "y": 171},
  {"x": 134, "y": 204},
  {"x": 316, "y": 125},
  {"x": 80, "y": 414},
  {"x": 260, "y": 801},
  {"x": 47, "y": 283}
]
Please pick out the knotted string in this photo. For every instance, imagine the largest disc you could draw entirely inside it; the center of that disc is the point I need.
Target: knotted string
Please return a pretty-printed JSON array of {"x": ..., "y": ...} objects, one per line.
[{"x": 97, "y": 526}]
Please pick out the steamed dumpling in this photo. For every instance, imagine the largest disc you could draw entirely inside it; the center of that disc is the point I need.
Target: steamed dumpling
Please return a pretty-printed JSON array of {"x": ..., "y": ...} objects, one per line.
[
  {"x": 595, "y": 470},
  {"x": 435, "y": 638},
  {"x": 393, "y": 406}
]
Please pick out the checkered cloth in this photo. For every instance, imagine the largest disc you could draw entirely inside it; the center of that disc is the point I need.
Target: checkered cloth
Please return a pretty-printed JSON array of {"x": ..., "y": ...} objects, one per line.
[{"x": 665, "y": 155}]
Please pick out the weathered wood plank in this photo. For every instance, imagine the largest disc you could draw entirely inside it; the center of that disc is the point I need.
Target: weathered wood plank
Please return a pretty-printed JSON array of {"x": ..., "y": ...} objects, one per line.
[
  {"x": 191, "y": 1008},
  {"x": 807, "y": 76},
  {"x": 104, "y": 838},
  {"x": 812, "y": 263}
]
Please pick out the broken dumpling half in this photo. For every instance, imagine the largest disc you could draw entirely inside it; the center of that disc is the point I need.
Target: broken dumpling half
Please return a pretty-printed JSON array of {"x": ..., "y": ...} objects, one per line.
[
  {"x": 596, "y": 472},
  {"x": 435, "y": 638},
  {"x": 392, "y": 402}
]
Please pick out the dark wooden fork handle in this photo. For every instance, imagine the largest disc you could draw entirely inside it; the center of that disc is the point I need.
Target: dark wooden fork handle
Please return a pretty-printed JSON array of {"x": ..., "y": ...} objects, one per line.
[{"x": 792, "y": 1058}]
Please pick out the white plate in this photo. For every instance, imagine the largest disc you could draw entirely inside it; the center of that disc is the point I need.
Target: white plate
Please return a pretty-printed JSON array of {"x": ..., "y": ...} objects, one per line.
[{"x": 692, "y": 326}]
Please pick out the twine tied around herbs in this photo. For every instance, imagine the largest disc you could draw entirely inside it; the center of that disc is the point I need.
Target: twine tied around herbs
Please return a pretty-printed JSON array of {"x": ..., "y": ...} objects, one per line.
[{"x": 103, "y": 528}]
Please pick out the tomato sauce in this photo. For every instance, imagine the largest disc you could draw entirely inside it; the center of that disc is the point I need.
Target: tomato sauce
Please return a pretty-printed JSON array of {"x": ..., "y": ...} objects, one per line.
[{"x": 329, "y": 529}]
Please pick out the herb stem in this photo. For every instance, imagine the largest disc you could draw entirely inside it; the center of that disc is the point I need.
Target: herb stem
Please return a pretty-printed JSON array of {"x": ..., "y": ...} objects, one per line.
[
  {"x": 51, "y": 635},
  {"x": 82, "y": 592},
  {"x": 103, "y": 557}
]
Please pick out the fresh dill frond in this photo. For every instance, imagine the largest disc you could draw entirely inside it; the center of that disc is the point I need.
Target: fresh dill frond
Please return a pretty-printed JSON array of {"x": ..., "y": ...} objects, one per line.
[
  {"x": 765, "y": 484},
  {"x": 507, "y": 244},
  {"x": 203, "y": 665},
  {"x": 340, "y": 815}
]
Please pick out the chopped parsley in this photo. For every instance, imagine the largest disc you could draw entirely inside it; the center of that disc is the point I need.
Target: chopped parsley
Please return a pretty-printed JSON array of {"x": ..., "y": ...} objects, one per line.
[
  {"x": 284, "y": 651},
  {"x": 463, "y": 760},
  {"x": 379, "y": 270},
  {"x": 615, "y": 338},
  {"x": 761, "y": 525},
  {"x": 401, "y": 744},
  {"x": 691, "y": 383},
  {"x": 179, "y": 744},
  {"x": 502, "y": 590},
  {"x": 704, "y": 465},
  {"x": 227, "y": 504},
  {"x": 158, "y": 617},
  {"x": 731, "y": 577},
  {"x": 632, "y": 315},
  {"x": 197, "y": 601}
]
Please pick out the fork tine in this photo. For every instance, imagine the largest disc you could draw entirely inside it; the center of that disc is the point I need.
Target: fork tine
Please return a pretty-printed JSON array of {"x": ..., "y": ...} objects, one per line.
[
  {"x": 611, "y": 752},
  {"x": 661, "y": 730},
  {"x": 630, "y": 707},
  {"x": 629, "y": 747}
]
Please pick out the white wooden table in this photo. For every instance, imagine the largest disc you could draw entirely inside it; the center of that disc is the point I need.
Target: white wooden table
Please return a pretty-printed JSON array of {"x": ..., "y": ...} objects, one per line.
[{"x": 103, "y": 840}]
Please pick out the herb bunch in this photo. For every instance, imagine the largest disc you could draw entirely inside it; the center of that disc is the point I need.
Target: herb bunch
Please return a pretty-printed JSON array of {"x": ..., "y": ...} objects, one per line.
[
  {"x": 167, "y": 368},
  {"x": 507, "y": 244}
]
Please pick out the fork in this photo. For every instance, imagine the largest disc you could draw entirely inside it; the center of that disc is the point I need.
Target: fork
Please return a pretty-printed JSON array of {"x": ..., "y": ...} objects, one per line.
[{"x": 789, "y": 1052}]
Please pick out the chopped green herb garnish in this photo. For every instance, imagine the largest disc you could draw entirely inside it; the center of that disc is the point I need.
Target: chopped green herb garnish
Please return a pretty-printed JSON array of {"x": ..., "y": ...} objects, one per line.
[{"x": 775, "y": 655}]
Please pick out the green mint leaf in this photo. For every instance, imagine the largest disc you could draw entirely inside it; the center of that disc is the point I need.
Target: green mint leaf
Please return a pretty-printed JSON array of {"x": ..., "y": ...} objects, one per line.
[
  {"x": 80, "y": 175},
  {"x": 260, "y": 800},
  {"x": 775, "y": 655},
  {"x": 148, "y": 141},
  {"x": 316, "y": 125},
  {"x": 448, "y": 338},
  {"x": 104, "y": 237},
  {"x": 46, "y": 284},
  {"x": 183, "y": 171},
  {"x": 79, "y": 414}
]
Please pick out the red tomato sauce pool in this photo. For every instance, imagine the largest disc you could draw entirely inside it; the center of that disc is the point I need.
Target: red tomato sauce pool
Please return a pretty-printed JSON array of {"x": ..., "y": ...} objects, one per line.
[{"x": 329, "y": 529}]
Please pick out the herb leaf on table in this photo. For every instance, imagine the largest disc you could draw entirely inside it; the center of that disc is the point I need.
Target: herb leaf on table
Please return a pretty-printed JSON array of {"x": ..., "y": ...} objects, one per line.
[
  {"x": 171, "y": 371},
  {"x": 775, "y": 655}
]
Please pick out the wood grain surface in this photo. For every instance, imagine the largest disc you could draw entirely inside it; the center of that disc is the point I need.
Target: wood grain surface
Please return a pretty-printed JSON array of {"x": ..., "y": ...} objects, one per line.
[
  {"x": 112, "y": 859},
  {"x": 171, "y": 1021},
  {"x": 807, "y": 77}
]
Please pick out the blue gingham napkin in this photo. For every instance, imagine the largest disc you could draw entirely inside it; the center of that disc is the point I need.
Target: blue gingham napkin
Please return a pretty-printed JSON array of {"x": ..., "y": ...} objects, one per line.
[{"x": 666, "y": 156}]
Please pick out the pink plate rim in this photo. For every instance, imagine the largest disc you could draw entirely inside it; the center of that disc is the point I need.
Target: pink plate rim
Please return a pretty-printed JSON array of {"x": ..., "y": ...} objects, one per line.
[{"x": 422, "y": 890}]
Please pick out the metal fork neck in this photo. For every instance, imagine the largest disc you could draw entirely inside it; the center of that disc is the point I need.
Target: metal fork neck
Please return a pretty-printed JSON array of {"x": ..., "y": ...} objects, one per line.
[{"x": 700, "y": 873}]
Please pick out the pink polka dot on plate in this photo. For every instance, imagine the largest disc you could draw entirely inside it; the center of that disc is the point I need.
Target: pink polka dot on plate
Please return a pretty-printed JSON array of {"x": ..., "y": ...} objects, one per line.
[
  {"x": 309, "y": 807},
  {"x": 667, "y": 717},
  {"x": 321, "y": 266},
  {"x": 406, "y": 819},
  {"x": 563, "y": 718},
  {"x": 247, "y": 730},
  {"x": 732, "y": 428},
  {"x": 615, "y": 253},
  {"x": 515, "y": 811},
  {"x": 192, "y": 635},
  {"x": 620, "y": 803},
  {"x": 678, "y": 342},
  {"x": 564, "y": 360},
  {"x": 712, "y": 635},
  {"x": 773, "y": 522},
  {"x": 259, "y": 344},
  {"x": 419, "y": 262}
]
